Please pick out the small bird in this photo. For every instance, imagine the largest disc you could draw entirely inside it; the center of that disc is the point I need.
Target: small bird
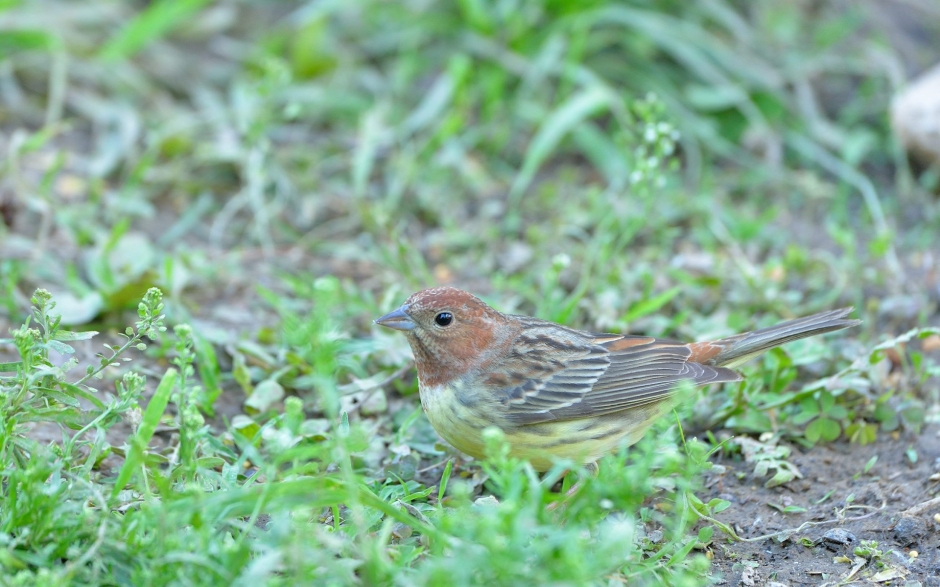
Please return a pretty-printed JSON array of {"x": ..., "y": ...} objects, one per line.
[{"x": 555, "y": 391}]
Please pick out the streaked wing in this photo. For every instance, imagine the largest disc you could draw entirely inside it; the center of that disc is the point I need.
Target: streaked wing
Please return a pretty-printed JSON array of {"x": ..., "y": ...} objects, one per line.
[{"x": 561, "y": 374}]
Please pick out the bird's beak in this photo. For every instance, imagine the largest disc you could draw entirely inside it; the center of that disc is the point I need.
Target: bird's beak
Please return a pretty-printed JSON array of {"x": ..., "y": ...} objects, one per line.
[{"x": 397, "y": 319}]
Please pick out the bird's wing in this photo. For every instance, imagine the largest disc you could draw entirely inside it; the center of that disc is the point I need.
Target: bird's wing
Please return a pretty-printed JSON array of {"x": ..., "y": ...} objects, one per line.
[{"x": 565, "y": 374}]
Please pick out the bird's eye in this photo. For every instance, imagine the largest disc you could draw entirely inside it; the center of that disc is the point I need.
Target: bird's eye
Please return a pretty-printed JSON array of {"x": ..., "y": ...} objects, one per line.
[{"x": 444, "y": 319}]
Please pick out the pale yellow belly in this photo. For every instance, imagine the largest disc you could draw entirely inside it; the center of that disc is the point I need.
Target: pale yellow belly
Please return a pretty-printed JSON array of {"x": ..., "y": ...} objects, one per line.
[{"x": 582, "y": 440}]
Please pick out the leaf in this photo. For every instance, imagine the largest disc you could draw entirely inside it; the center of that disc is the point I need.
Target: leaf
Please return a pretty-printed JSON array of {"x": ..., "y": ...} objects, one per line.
[
  {"x": 138, "y": 443},
  {"x": 59, "y": 396},
  {"x": 560, "y": 122},
  {"x": 906, "y": 337},
  {"x": 78, "y": 311},
  {"x": 10, "y": 367},
  {"x": 862, "y": 433},
  {"x": 823, "y": 429},
  {"x": 82, "y": 393},
  {"x": 650, "y": 305},
  {"x": 794, "y": 509},
  {"x": 837, "y": 413},
  {"x": 372, "y": 129},
  {"x": 790, "y": 509},
  {"x": 445, "y": 477},
  {"x": 884, "y": 412},
  {"x": 602, "y": 152},
  {"x": 158, "y": 19},
  {"x": 265, "y": 394},
  {"x": 809, "y": 409},
  {"x": 714, "y": 98},
  {"x": 888, "y": 574},
  {"x": 68, "y": 335},
  {"x": 830, "y": 429},
  {"x": 17, "y": 41},
  {"x": 436, "y": 99},
  {"x": 245, "y": 425},
  {"x": 60, "y": 347},
  {"x": 67, "y": 416},
  {"x": 705, "y": 534},
  {"x": 783, "y": 475},
  {"x": 241, "y": 374},
  {"x": 914, "y": 416},
  {"x": 207, "y": 363},
  {"x": 825, "y": 497},
  {"x": 718, "y": 505},
  {"x": 681, "y": 553},
  {"x": 826, "y": 401}
]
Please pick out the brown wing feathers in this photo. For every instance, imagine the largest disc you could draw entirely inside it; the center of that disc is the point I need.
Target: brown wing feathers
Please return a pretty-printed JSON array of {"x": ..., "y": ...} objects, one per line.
[
  {"x": 642, "y": 374},
  {"x": 594, "y": 375},
  {"x": 598, "y": 379}
]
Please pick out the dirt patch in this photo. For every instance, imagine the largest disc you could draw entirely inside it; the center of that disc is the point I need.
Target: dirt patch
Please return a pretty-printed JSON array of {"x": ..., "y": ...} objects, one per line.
[{"x": 834, "y": 476}]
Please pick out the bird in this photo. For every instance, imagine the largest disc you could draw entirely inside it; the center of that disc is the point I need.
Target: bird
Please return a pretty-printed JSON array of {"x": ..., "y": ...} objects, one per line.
[{"x": 558, "y": 392}]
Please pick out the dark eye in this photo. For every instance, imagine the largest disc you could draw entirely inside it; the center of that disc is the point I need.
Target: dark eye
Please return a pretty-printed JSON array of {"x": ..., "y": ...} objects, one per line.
[{"x": 444, "y": 319}]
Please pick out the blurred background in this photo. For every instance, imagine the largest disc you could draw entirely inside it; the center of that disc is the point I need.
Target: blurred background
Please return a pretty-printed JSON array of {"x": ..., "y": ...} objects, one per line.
[
  {"x": 569, "y": 159},
  {"x": 287, "y": 171}
]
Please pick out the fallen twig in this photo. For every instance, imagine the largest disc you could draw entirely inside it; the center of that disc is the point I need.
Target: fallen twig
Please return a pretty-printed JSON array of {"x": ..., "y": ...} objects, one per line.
[{"x": 921, "y": 507}]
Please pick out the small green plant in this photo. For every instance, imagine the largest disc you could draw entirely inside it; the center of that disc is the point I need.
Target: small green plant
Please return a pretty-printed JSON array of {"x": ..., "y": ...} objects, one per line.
[
  {"x": 40, "y": 391},
  {"x": 44, "y": 486},
  {"x": 841, "y": 405},
  {"x": 823, "y": 415},
  {"x": 766, "y": 456},
  {"x": 870, "y": 551}
]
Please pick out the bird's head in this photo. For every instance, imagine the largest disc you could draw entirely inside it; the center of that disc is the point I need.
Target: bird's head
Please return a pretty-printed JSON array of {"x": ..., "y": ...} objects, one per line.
[{"x": 451, "y": 332}]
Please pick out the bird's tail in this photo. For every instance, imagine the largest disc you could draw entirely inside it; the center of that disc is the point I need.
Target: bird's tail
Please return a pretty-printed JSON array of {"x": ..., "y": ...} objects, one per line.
[{"x": 736, "y": 350}]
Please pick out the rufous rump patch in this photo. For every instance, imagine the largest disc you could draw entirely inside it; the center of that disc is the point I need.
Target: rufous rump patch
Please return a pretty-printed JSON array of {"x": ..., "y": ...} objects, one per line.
[{"x": 704, "y": 351}]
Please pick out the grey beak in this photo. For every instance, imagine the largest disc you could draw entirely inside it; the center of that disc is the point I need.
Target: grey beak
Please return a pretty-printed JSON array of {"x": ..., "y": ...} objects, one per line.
[{"x": 397, "y": 319}]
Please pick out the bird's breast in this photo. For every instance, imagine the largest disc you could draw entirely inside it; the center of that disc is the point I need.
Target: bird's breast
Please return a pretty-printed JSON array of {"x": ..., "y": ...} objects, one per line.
[{"x": 455, "y": 413}]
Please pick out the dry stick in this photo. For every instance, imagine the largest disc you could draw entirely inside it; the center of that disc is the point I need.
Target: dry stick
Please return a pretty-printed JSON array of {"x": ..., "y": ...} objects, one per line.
[
  {"x": 734, "y": 535},
  {"x": 435, "y": 465},
  {"x": 859, "y": 562},
  {"x": 921, "y": 507},
  {"x": 371, "y": 388}
]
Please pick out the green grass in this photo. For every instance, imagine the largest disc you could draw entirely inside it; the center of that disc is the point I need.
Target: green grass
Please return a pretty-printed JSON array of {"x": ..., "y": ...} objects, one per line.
[{"x": 285, "y": 172}]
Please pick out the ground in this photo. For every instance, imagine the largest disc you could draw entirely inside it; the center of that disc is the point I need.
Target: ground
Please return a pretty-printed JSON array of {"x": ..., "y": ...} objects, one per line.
[{"x": 835, "y": 476}]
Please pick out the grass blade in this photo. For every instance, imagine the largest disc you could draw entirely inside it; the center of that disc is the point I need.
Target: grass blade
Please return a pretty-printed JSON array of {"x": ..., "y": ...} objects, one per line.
[
  {"x": 650, "y": 305},
  {"x": 138, "y": 442},
  {"x": 155, "y": 21},
  {"x": 568, "y": 116}
]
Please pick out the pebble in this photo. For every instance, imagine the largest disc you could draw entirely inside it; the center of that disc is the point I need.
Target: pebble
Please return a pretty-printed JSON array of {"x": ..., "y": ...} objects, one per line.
[
  {"x": 915, "y": 116},
  {"x": 837, "y": 537},
  {"x": 909, "y": 530},
  {"x": 401, "y": 531},
  {"x": 486, "y": 502},
  {"x": 375, "y": 403}
]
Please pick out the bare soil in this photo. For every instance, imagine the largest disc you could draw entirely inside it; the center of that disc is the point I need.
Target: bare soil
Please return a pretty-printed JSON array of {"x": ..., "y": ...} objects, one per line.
[{"x": 889, "y": 495}]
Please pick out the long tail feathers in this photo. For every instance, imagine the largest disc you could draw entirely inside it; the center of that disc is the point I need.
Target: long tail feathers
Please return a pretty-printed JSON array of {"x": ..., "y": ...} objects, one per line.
[{"x": 736, "y": 350}]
